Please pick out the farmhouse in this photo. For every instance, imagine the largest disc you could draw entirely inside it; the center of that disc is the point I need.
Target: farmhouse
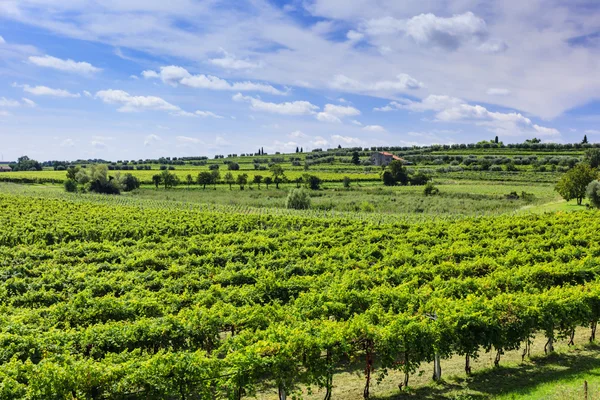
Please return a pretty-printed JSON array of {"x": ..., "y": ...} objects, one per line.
[
  {"x": 5, "y": 168},
  {"x": 383, "y": 158}
]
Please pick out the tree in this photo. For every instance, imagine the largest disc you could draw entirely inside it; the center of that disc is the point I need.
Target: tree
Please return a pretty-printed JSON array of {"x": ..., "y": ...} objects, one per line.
[
  {"x": 573, "y": 184},
  {"x": 585, "y": 140},
  {"x": 169, "y": 179},
  {"x": 592, "y": 157},
  {"x": 397, "y": 174},
  {"x": 301, "y": 150},
  {"x": 233, "y": 166},
  {"x": 388, "y": 179},
  {"x": 593, "y": 193},
  {"x": 430, "y": 189},
  {"x": 298, "y": 199},
  {"x": 268, "y": 181},
  {"x": 258, "y": 180},
  {"x": 346, "y": 182},
  {"x": 72, "y": 173},
  {"x": 129, "y": 182},
  {"x": 204, "y": 178},
  {"x": 189, "y": 180},
  {"x": 496, "y": 140},
  {"x": 157, "y": 180},
  {"x": 339, "y": 146},
  {"x": 216, "y": 176},
  {"x": 297, "y": 149},
  {"x": 355, "y": 158},
  {"x": 25, "y": 163},
  {"x": 278, "y": 174},
  {"x": 312, "y": 182},
  {"x": 100, "y": 182},
  {"x": 71, "y": 185},
  {"x": 229, "y": 179},
  {"x": 242, "y": 180}
]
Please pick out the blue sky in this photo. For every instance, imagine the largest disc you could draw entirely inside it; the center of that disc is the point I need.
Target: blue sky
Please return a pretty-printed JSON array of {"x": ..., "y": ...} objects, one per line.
[{"x": 129, "y": 79}]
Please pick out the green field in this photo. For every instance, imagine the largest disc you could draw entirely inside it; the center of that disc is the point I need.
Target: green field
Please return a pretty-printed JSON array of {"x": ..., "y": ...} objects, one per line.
[{"x": 193, "y": 293}]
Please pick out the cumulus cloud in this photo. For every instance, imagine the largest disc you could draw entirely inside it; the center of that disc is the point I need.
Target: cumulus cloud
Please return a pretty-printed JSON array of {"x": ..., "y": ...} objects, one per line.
[
  {"x": 592, "y": 131},
  {"x": 334, "y": 113},
  {"x": 149, "y": 74},
  {"x": 319, "y": 141},
  {"x": 87, "y": 94},
  {"x": 175, "y": 75},
  {"x": 287, "y": 108},
  {"x": 4, "y": 113},
  {"x": 46, "y": 91},
  {"x": 2, "y": 41},
  {"x": 374, "y": 128},
  {"x": 429, "y": 103},
  {"x": 355, "y": 122},
  {"x": 449, "y": 33},
  {"x": 230, "y": 61},
  {"x": 354, "y": 36},
  {"x": 298, "y": 134},
  {"x": 346, "y": 140},
  {"x": 151, "y": 139},
  {"x": 67, "y": 143},
  {"x": 69, "y": 65},
  {"x": 28, "y": 102},
  {"x": 131, "y": 103},
  {"x": 402, "y": 83},
  {"x": 4, "y": 102}
]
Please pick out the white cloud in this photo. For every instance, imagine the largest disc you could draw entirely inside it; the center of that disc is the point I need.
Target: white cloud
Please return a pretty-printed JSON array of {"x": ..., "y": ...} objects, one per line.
[
  {"x": 319, "y": 141},
  {"x": 134, "y": 77},
  {"x": 230, "y": 61},
  {"x": 67, "y": 143},
  {"x": 4, "y": 113},
  {"x": 149, "y": 74},
  {"x": 592, "y": 132},
  {"x": 374, "y": 128},
  {"x": 98, "y": 144},
  {"x": 298, "y": 134},
  {"x": 354, "y": 36},
  {"x": 151, "y": 139},
  {"x": 355, "y": 122},
  {"x": 334, "y": 113},
  {"x": 346, "y": 140},
  {"x": 131, "y": 103},
  {"x": 187, "y": 139},
  {"x": 498, "y": 92},
  {"x": 2, "y": 41},
  {"x": 46, "y": 91},
  {"x": 69, "y": 65},
  {"x": 175, "y": 75},
  {"x": 206, "y": 114},
  {"x": 87, "y": 94},
  {"x": 402, "y": 83},
  {"x": 4, "y": 102},
  {"x": 287, "y": 108},
  {"x": 449, "y": 33},
  {"x": 28, "y": 102}
]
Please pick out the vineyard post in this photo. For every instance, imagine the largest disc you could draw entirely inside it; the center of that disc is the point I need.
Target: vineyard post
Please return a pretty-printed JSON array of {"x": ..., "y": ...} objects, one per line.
[{"x": 437, "y": 368}]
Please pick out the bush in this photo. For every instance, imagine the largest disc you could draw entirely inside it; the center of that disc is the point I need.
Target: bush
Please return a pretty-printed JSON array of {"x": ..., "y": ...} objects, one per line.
[
  {"x": 365, "y": 206},
  {"x": 419, "y": 179},
  {"x": 233, "y": 166},
  {"x": 346, "y": 182},
  {"x": 130, "y": 183},
  {"x": 592, "y": 192},
  {"x": 430, "y": 189},
  {"x": 312, "y": 182},
  {"x": 298, "y": 199},
  {"x": 70, "y": 186}
]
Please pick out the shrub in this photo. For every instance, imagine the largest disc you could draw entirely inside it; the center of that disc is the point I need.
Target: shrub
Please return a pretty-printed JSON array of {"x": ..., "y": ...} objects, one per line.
[
  {"x": 346, "y": 182},
  {"x": 70, "y": 186},
  {"x": 130, "y": 183},
  {"x": 592, "y": 192},
  {"x": 365, "y": 206},
  {"x": 233, "y": 166},
  {"x": 298, "y": 199},
  {"x": 430, "y": 189},
  {"x": 419, "y": 179},
  {"x": 312, "y": 182}
]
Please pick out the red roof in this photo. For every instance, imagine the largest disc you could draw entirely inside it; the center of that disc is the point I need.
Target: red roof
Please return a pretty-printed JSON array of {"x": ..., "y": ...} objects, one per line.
[{"x": 395, "y": 157}]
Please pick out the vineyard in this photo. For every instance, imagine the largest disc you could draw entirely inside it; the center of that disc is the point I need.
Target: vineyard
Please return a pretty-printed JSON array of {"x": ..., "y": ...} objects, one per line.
[{"x": 107, "y": 297}]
